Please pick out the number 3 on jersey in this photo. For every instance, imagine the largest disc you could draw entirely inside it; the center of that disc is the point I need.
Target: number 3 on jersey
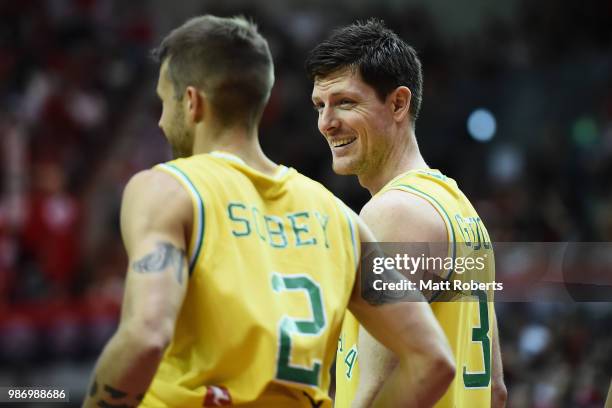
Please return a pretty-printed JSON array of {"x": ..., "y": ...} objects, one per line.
[
  {"x": 481, "y": 335},
  {"x": 289, "y": 327}
]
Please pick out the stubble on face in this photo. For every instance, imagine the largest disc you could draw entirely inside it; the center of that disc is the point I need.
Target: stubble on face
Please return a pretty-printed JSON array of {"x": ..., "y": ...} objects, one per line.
[
  {"x": 179, "y": 136},
  {"x": 173, "y": 122}
]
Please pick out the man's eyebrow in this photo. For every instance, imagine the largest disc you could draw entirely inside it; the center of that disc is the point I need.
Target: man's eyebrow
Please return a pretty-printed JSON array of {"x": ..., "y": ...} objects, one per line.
[{"x": 346, "y": 92}]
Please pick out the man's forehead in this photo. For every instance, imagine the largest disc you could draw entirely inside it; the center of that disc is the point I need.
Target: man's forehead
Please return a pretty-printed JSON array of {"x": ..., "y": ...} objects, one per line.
[{"x": 344, "y": 79}]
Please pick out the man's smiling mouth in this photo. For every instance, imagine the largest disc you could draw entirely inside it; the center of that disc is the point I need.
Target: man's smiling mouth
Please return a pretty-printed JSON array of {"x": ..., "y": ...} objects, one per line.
[{"x": 342, "y": 142}]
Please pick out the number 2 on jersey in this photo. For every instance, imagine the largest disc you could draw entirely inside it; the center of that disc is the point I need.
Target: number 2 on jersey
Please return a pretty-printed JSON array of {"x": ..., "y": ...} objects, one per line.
[
  {"x": 481, "y": 334},
  {"x": 289, "y": 326}
]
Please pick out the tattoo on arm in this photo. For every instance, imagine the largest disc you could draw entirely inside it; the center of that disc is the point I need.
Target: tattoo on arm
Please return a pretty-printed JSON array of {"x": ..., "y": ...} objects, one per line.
[
  {"x": 163, "y": 256},
  {"x": 382, "y": 297},
  {"x": 94, "y": 388},
  {"x": 389, "y": 276},
  {"x": 104, "y": 404},
  {"x": 114, "y": 393}
]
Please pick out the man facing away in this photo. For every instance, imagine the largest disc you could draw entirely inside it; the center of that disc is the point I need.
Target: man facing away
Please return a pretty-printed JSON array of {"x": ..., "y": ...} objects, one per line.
[
  {"x": 240, "y": 270},
  {"x": 367, "y": 92}
]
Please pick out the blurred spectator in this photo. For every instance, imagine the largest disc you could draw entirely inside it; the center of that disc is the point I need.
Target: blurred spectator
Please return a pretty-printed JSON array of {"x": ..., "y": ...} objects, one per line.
[{"x": 52, "y": 228}]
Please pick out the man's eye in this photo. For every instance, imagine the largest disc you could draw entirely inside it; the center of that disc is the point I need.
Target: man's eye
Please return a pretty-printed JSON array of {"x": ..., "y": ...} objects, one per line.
[
  {"x": 317, "y": 107},
  {"x": 346, "y": 102}
]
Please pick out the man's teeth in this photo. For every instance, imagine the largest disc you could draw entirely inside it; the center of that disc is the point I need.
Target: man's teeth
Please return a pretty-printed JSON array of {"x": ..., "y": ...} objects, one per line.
[{"x": 341, "y": 142}]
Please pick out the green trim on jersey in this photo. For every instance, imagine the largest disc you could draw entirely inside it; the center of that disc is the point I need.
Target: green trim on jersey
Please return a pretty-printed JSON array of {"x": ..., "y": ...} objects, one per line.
[{"x": 200, "y": 212}]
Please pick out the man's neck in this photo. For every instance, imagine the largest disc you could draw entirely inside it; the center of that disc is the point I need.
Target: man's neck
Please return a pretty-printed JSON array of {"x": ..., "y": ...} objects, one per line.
[
  {"x": 399, "y": 161},
  {"x": 239, "y": 142}
]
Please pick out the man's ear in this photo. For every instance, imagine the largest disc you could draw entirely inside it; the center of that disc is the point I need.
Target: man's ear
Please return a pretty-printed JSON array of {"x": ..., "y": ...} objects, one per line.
[
  {"x": 194, "y": 104},
  {"x": 400, "y": 102}
]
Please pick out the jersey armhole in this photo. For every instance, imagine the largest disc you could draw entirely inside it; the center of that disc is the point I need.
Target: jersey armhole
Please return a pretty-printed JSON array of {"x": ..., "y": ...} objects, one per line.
[
  {"x": 196, "y": 241},
  {"x": 354, "y": 231}
]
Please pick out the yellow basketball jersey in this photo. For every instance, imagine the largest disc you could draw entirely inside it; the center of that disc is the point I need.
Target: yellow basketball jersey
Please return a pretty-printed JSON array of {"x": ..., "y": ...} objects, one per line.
[
  {"x": 272, "y": 266},
  {"x": 467, "y": 324}
]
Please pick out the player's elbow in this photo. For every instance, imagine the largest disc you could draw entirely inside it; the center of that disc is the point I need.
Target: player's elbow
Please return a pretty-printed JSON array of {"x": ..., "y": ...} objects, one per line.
[
  {"x": 439, "y": 371},
  {"x": 499, "y": 394},
  {"x": 430, "y": 374},
  {"x": 442, "y": 364},
  {"x": 443, "y": 368},
  {"x": 150, "y": 336}
]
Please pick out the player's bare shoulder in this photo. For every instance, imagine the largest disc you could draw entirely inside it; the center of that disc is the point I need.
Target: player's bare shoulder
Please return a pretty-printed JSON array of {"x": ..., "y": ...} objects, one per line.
[
  {"x": 398, "y": 216},
  {"x": 154, "y": 197},
  {"x": 155, "y": 189}
]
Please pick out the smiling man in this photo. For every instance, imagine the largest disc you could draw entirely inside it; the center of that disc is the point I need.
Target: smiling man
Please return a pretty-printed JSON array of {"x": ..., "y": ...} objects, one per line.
[{"x": 367, "y": 92}]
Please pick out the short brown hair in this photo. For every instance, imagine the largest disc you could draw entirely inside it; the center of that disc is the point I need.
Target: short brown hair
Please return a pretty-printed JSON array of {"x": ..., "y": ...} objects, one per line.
[
  {"x": 226, "y": 58},
  {"x": 383, "y": 59}
]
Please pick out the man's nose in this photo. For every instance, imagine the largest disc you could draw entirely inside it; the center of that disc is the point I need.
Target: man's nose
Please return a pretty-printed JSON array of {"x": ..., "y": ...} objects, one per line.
[{"x": 328, "y": 121}]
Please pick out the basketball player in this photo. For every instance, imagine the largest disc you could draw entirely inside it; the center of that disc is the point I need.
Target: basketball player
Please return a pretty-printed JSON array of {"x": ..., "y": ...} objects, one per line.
[
  {"x": 367, "y": 92},
  {"x": 240, "y": 269}
]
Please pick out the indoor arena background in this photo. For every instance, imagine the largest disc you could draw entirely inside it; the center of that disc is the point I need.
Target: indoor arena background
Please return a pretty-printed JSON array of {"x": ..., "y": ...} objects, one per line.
[{"x": 517, "y": 108}]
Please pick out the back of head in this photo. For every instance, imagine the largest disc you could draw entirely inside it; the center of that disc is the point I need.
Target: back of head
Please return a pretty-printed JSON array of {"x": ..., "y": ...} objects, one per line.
[
  {"x": 227, "y": 59},
  {"x": 383, "y": 59}
]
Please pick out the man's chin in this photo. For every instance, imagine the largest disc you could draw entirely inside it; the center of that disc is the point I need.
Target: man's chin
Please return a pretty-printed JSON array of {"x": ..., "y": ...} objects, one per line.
[{"x": 343, "y": 168}]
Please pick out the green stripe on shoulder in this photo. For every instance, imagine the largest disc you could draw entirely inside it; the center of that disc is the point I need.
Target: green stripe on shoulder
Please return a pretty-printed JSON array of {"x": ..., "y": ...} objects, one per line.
[
  {"x": 352, "y": 229},
  {"x": 199, "y": 223}
]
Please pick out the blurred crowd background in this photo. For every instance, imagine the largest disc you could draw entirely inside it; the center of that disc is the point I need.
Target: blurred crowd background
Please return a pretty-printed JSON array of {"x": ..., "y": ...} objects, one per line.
[{"x": 517, "y": 108}]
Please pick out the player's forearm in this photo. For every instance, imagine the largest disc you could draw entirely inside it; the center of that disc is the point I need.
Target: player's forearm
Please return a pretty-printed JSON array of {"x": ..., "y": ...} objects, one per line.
[
  {"x": 422, "y": 384},
  {"x": 376, "y": 364},
  {"x": 125, "y": 369},
  {"x": 418, "y": 381}
]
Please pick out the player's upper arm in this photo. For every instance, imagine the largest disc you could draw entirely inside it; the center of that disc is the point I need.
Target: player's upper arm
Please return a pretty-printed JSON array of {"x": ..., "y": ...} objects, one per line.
[
  {"x": 156, "y": 219},
  {"x": 398, "y": 216},
  {"x": 401, "y": 217},
  {"x": 404, "y": 326}
]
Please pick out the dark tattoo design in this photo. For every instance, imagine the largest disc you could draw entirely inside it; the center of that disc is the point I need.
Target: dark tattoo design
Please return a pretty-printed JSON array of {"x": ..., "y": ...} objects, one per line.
[
  {"x": 388, "y": 276},
  {"x": 94, "y": 388},
  {"x": 104, "y": 404},
  {"x": 114, "y": 393},
  {"x": 163, "y": 256},
  {"x": 313, "y": 403}
]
